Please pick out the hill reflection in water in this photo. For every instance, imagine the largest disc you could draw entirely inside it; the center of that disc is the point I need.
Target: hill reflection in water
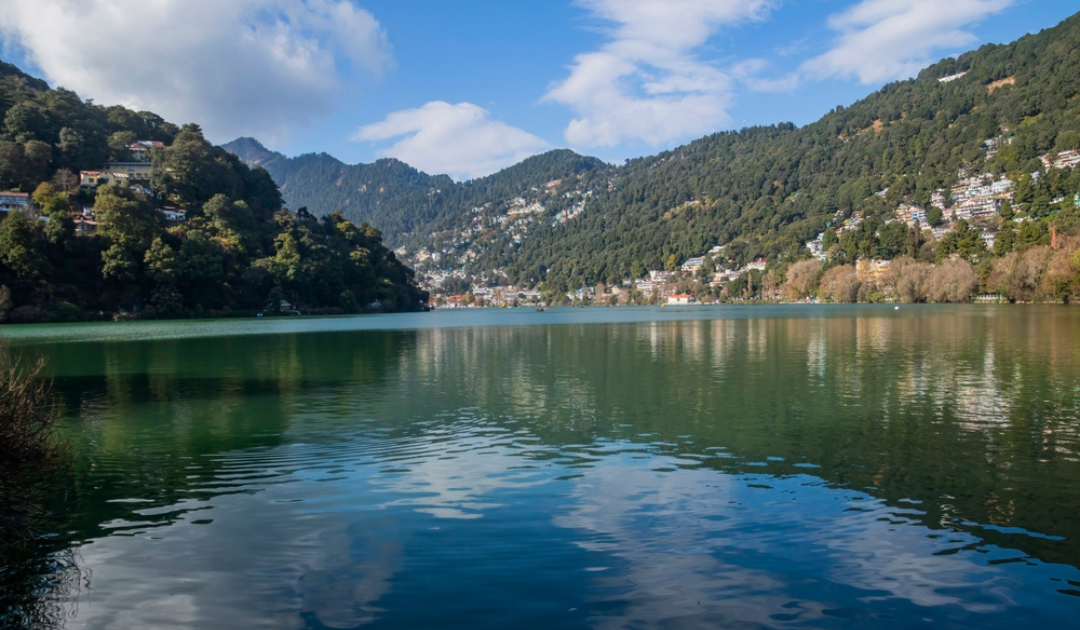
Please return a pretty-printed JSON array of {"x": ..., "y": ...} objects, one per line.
[{"x": 850, "y": 467}]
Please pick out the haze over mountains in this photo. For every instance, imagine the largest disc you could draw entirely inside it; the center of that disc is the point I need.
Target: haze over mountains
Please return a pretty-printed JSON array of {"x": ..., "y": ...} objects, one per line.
[{"x": 569, "y": 220}]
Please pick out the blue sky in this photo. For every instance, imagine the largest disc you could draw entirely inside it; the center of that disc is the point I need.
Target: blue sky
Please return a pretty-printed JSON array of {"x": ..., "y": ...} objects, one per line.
[{"x": 468, "y": 88}]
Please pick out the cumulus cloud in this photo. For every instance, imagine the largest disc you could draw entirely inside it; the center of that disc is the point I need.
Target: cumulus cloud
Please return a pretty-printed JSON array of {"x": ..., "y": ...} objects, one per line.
[
  {"x": 458, "y": 140},
  {"x": 242, "y": 67},
  {"x": 647, "y": 83},
  {"x": 884, "y": 40}
]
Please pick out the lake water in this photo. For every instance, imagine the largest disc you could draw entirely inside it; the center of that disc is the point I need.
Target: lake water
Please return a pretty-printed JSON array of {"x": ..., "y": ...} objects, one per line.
[{"x": 753, "y": 467}]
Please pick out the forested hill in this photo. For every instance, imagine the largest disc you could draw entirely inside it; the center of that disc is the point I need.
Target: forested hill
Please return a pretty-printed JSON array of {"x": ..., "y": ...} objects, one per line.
[
  {"x": 768, "y": 191},
  {"x": 401, "y": 201},
  {"x": 564, "y": 221},
  {"x": 110, "y": 212}
]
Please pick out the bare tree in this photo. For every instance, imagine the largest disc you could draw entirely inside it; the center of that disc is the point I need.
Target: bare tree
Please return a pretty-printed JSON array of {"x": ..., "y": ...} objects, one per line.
[
  {"x": 800, "y": 279},
  {"x": 65, "y": 181},
  {"x": 954, "y": 280},
  {"x": 840, "y": 284},
  {"x": 769, "y": 285},
  {"x": 1021, "y": 273},
  {"x": 905, "y": 280}
]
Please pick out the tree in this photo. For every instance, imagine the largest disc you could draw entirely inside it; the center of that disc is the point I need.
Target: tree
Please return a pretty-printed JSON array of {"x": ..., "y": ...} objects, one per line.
[
  {"x": 191, "y": 171},
  {"x": 1033, "y": 233},
  {"x": 954, "y": 280},
  {"x": 127, "y": 223},
  {"x": 1003, "y": 241},
  {"x": 935, "y": 216},
  {"x": 65, "y": 181},
  {"x": 801, "y": 277},
  {"x": 1061, "y": 274},
  {"x": 829, "y": 239},
  {"x": 969, "y": 243},
  {"x": 840, "y": 284},
  {"x": 20, "y": 252},
  {"x": 893, "y": 241},
  {"x": 119, "y": 143},
  {"x": 908, "y": 279}
]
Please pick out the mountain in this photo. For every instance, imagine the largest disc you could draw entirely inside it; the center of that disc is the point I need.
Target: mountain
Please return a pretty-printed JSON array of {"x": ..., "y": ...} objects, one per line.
[
  {"x": 564, "y": 221},
  {"x": 251, "y": 152},
  {"x": 388, "y": 193},
  {"x": 391, "y": 195}
]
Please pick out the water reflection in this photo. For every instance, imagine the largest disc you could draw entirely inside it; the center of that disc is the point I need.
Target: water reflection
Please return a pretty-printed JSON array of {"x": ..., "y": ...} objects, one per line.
[{"x": 868, "y": 466}]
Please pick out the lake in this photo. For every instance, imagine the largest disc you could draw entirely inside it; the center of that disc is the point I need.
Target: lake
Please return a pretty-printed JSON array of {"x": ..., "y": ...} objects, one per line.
[{"x": 696, "y": 467}]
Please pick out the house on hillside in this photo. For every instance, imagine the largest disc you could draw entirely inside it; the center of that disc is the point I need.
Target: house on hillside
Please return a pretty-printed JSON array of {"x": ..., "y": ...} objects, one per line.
[
  {"x": 133, "y": 170},
  {"x": 693, "y": 264},
  {"x": 92, "y": 179},
  {"x": 174, "y": 214},
  {"x": 140, "y": 150},
  {"x": 14, "y": 201}
]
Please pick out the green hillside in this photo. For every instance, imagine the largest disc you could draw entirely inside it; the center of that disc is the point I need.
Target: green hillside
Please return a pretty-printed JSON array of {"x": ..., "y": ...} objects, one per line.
[
  {"x": 767, "y": 191},
  {"x": 197, "y": 233}
]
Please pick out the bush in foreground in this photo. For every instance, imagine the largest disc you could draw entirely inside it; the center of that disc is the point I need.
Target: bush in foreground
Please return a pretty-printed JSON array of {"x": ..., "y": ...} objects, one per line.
[{"x": 31, "y": 454}]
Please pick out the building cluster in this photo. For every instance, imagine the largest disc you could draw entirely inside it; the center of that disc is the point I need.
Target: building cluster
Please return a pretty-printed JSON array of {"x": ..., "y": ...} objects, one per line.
[
  {"x": 500, "y": 296},
  {"x": 1065, "y": 159},
  {"x": 506, "y": 224},
  {"x": 975, "y": 197},
  {"x": 135, "y": 174}
]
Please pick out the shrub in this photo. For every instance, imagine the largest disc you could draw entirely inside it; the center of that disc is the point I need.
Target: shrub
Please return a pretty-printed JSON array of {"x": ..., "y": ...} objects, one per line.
[{"x": 31, "y": 455}]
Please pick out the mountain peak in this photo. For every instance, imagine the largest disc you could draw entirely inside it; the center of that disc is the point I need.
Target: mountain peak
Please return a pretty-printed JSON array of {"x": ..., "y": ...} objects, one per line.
[{"x": 251, "y": 151}]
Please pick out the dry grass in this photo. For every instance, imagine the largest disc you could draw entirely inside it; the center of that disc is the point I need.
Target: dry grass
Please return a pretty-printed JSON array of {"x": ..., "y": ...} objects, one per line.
[
  {"x": 32, "y": 456},
  {"x": 991, "y": 87}
]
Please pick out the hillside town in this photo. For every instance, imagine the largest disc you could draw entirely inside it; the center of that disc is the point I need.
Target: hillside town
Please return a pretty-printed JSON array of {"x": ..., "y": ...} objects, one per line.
[{"x": 978, "y": 203}]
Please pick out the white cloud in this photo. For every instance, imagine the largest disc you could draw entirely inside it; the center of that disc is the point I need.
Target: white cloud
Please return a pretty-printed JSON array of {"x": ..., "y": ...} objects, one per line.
[
  {"x": 646, "y": 83},
  {"x": 883, "y": 40},
  {"x": 749, "y": 74},
  {"x": 241, "y": 67},
  {"x": 459, "y": 140}
]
